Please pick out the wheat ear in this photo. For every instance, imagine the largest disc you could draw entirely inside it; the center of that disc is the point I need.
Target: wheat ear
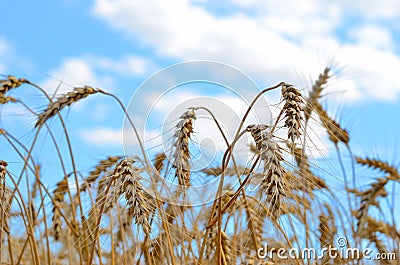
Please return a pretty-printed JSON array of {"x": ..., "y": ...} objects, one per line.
[
  {"x": 304, "y": 170},
  {"x": 316, "y": 91},
  {"x": 336, "y": 132},
  {"x": 63, "y": 101},
  {"x": 368, "y": 198},
  {"x": 3, "y": 169},
  {"x": 381, "y": 165},
  {"x": 273, "y": 183},
  {"x": 5, "y": 99},
  {"x": 10, "y": 83},
  {"x": 136, "y": 200},
  {"x": 181, "y": 156},
  {"x": 100, "y": 168},
  {"x": 293, "y": 108},
  {"x": 5, "y": 194},
  {"x": 58, "y": 199}
]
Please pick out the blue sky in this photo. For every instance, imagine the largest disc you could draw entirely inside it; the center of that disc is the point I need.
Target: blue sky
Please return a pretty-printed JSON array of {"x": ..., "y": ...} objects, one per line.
[{"x": 117, "y": 45}]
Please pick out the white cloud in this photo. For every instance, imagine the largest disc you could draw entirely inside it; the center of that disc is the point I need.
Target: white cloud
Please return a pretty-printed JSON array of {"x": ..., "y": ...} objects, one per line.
[
  {"x": 102, "y": 136},
  {"x": 73, "y": 72},
  {"x": 386, "y": 9},
  {"x": 109, "y": 136},
  {"x": 373, "y": 36},
  {"x": 128, "y": 65},
  {"x": 94, "y": 71},
  {"x": 271, "y": 45}
]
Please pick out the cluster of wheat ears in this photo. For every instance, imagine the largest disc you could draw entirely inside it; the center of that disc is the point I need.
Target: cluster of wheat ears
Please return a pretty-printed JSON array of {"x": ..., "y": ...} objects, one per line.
[{"x": 115, "y": 214}]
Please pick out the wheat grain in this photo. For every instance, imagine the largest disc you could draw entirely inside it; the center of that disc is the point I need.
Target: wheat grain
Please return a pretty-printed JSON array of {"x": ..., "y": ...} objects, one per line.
[{"x": 213, "y": 232}]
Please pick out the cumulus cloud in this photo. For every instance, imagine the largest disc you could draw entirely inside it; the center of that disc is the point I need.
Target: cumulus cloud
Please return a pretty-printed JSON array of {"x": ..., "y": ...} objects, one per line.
[
  {"x": 129, "y": 65},
  {"x": 273, "y": 43},
  {"x": 102, "y": 136},
  {"x": 71, "y": 73},
  {"x": 94, "y": 71},
  {"x": 376, "y": 37}
]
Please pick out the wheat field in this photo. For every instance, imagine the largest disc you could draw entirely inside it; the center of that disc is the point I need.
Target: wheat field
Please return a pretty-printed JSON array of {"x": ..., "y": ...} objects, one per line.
[{"x": 117, "y": 213}]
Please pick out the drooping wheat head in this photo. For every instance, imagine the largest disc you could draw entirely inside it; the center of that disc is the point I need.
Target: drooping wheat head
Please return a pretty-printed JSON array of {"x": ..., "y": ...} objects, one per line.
[
  {"x": 58, "y": 204},
  {"x": 6, "y": 99},
  {"x": 273, "y": 183},
  {"x": 181, "y": 155},
  {"x": 102, "y": 167},
  {"x": 368, "y": 198},
  {"x": 380, "y": 165},
  {"x": 63, "y": 101},
  {"x": 138, "y": 206},
  {"x": 10, "y": 83},
  {"x": 336, "y": 132}
]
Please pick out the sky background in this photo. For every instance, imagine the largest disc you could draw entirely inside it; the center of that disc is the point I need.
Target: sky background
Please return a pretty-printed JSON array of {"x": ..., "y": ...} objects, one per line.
[{"x": 116, "y": 45}]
